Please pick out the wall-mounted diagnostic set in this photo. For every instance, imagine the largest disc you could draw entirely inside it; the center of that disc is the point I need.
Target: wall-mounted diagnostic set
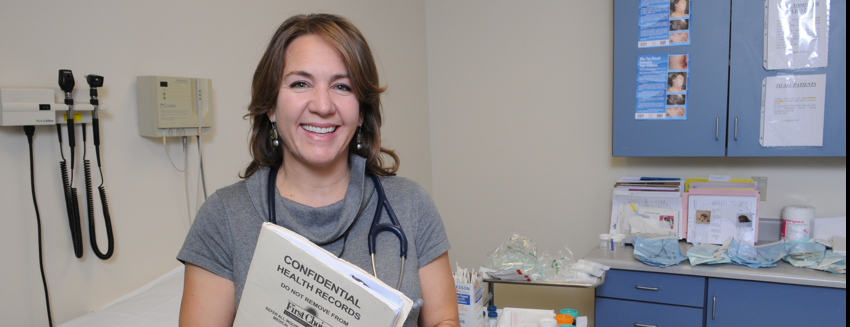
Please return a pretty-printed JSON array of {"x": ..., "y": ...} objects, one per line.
[{"x": 31, "y": 107}]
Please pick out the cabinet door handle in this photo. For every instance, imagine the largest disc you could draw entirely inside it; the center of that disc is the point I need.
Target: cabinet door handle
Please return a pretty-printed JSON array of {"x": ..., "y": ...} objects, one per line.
[
  {"x": 647, "y": 288},
  {"x": 713, "y": 307},
  {"x": 717, "y": 129},
  {"x": 736, "y": 128},
  {"x": 642, "y": 325}
]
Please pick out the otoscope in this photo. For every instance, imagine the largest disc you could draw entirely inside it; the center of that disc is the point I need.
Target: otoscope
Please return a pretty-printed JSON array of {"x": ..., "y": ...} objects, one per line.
[
  {"x": 94, "y": 82},
  {"x": 66, "y": 83}
]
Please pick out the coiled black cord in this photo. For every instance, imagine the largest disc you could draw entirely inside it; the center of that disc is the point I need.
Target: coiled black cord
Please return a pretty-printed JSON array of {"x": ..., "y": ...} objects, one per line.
[
  {"x": 71, "y": 203},
  {"x": 30, "y": 130},
  {"x": 90, "y": 199}
]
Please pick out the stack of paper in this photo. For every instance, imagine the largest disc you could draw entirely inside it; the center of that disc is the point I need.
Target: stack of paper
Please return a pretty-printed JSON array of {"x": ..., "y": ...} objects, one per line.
[{"x": 647, "y": 206}]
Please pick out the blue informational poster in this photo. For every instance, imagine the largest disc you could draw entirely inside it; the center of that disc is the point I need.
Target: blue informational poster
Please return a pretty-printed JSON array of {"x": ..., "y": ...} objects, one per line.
[
  {"x": 664, "y": 23},
  {"x": 662, "y": 87}
]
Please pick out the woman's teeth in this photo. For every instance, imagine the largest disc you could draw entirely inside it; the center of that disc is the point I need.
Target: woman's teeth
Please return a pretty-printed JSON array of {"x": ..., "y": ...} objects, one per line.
[{"x": 319, "y": 130}]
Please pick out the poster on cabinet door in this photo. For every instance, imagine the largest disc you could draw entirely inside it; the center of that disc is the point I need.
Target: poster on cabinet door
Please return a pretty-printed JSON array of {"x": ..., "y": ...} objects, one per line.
[
  {"x": 792, "y": 111},
  {"x": 662, "y": 87},
  {"x": 796, "y": 34},
  {"x": 664, "y": 23}
]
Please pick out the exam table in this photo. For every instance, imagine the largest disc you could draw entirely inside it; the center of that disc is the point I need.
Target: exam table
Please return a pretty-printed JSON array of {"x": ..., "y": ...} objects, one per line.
[{"x": 154, "y": 304}]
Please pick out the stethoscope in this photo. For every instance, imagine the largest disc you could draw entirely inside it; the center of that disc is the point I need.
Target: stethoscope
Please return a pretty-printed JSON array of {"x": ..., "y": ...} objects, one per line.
[{"x": 376, "y": 228}]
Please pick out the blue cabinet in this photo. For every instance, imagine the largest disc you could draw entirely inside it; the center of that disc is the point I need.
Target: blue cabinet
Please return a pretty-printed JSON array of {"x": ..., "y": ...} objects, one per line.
[
  {"x": 745, "y": 303},
  {"x": 629, "y": 298},
  {"x": 612, "y": 312},
  {"x": 747, "y": 72},
  {"x": 724, "y": 85},
  {"x": 703, "y": 134}
]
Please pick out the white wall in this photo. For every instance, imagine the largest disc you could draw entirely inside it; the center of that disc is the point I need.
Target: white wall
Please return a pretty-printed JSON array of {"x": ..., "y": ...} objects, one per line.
[
  {"x": 221, "y": 40},
  {"x": 520, "y": 104}
]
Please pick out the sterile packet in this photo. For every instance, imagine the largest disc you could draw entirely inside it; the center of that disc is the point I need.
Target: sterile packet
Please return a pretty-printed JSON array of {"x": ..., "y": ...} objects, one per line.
[
  {"x": 835, "y": 263},
  {"x": 591, "y": 268},
  {"x": 659, "y": 252},
  {"x": 518, "y": 252},
  {"x": 762, "y": 256},
  {"x": 804, "y": 253},
  {"x": 709, "y": 254}
]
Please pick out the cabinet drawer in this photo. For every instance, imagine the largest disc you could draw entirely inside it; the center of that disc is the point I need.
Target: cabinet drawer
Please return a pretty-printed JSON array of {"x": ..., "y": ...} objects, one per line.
[
  {"x": 654, "y": 287},
  {"x": 623, "y": 313}
]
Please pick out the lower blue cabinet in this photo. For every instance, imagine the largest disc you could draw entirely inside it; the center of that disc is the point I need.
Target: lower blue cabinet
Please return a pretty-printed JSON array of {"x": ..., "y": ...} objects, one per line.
[
  {"x": 643, "y": 299},
  {"x": 616, "y": 313},
  {"x": 747, "y": 303}
]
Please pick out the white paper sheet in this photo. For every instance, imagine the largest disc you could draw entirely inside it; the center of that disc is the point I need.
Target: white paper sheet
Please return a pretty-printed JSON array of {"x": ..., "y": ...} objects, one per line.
[
  {"x": 793, "y": 110},
  {"x": 796, "y": 34},
  {"x": 714, "y": 219}
]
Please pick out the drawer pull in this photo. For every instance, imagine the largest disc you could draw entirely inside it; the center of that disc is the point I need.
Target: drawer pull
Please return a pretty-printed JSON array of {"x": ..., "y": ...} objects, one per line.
[
  {"x": 647, "y": 288},
  {"x": 713, "y": 307},
  {"x": 642, "y": 325}
]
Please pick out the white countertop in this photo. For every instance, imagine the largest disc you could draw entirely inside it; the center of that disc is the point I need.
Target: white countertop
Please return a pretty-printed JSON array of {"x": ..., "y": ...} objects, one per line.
[{"x": 783, "y": 273}]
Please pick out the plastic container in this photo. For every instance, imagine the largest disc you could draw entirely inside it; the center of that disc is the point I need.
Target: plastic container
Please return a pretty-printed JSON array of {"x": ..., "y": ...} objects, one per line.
[
  {"x": 619, "y": 242},
  {"x": 564, "y": 319},
  {"x": 581, "y": 321},
  {"x": 493, "y": 317},
  {"x": 605, "y": 242},
  {"x": 547, "y": 322},
  {"x": 571, "y": 312},
  {"x": 796, "y": 222}
]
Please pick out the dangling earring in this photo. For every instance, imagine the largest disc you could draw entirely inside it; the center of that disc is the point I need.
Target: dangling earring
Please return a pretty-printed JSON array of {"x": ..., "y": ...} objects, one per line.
[
  {"x": 273, "y": 135},
  {"x": 359, "y": 139}
]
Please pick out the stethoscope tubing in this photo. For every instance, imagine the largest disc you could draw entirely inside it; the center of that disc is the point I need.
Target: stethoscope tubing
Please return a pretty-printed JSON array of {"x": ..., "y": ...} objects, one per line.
[{"x": 376, "y": 228}]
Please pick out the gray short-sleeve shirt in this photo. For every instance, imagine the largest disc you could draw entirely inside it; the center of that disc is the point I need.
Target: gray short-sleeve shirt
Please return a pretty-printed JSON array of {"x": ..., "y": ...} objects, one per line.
[{"x": 225, "y": 231}]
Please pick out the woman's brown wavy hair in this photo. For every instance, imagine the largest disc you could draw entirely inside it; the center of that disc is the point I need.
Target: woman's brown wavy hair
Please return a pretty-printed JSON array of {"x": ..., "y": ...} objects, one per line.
[{"x": 351, "y": 45}]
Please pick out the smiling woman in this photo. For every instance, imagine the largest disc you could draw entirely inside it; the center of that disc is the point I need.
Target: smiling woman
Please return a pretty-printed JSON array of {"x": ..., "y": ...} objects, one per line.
[{"x": 315, "y": 144}]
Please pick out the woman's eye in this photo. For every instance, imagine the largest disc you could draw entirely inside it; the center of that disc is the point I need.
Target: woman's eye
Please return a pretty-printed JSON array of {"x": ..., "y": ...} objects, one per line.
[
  {"x": 343, "y": 87},
  {"x": 298, "y": 85}
]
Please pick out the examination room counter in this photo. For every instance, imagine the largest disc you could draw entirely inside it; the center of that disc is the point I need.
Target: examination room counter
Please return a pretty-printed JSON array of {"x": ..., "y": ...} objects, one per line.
[{"x": 715, "y": 295}]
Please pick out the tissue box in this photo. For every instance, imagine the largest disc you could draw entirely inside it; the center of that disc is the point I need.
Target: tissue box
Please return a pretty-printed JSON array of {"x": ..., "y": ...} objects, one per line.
[{"x": 470, "y": 304}]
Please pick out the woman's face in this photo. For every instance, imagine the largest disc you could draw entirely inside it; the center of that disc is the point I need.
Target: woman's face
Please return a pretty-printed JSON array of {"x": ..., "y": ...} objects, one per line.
[
  {"x": 681, "y": 5},
  {"x": 678, "y": 80},
  {"x": 317, "y": 112}
]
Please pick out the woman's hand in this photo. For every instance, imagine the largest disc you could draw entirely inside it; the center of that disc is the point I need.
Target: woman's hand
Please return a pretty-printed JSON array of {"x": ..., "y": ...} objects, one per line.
[
  {"x": 208, "y": 299},
  {"x": 438, "y": 292}
]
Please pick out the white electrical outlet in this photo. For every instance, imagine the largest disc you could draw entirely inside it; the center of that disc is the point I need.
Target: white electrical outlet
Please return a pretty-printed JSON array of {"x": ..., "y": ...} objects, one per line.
[{"x": 762, "y": 185}]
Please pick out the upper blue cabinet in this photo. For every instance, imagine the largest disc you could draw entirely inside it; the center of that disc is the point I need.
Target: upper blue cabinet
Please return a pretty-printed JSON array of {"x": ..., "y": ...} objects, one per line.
[
  {"x": 746, "y": 73},
  {"x": 723, "y": 89}
]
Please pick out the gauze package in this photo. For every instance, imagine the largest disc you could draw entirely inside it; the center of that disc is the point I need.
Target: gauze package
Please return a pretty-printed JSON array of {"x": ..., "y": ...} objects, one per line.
[
  {"x": 762, "y": 256},
  {"x": 591, "y": 268},
  {"x": 804, "y": 253},
  {"x": 659, "y": 252},
  {"x": 709, "y": 254}
]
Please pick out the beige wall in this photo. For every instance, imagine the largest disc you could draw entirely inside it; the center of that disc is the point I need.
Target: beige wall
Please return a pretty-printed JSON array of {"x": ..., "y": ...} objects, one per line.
[
  {"x": 520, "y": 104},
  {"x": 221, "y": 40}
]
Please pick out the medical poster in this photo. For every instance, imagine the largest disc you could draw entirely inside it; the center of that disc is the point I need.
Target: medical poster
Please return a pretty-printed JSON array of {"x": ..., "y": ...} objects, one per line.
[
  {"x": 714, "y": 219},
  {"x": 664, "y": 23},
  {"x": 796, "y": 34},
  {"x": 793, "y": 110},
  {"x": 662, "y": 87}
]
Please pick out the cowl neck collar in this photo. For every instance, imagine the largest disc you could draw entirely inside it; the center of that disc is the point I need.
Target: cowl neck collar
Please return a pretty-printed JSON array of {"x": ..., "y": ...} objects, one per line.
[{"x": 357, "y": 196}]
